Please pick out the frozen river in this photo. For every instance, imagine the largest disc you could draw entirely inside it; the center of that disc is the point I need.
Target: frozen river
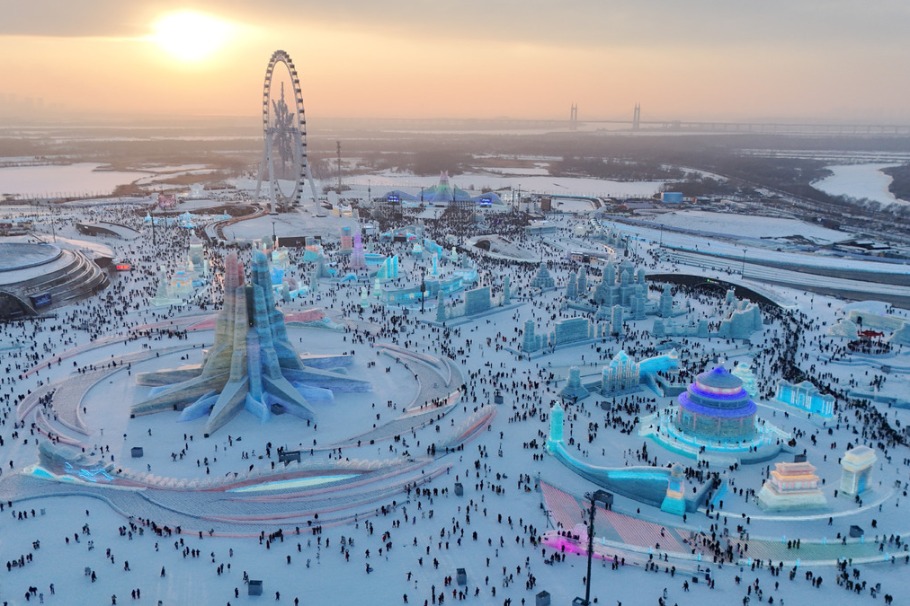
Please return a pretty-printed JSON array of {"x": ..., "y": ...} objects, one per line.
[
  {"x": 80, "y": 179},
  {"x": 859, "y": 181}
]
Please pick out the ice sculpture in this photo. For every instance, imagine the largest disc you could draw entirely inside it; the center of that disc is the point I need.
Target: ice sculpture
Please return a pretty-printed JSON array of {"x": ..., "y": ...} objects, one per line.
[{"x": 252, "y": 364}]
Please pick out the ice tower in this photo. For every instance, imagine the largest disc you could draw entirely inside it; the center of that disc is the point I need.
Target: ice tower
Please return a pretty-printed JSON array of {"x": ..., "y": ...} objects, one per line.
[
  {"x": 358, "y": 257},
  {"x": 675, "y": 500},
  {"x": 252, "y": 364},
  {"x": 556, "y": 417},
  {"x": 573, "y": 388}
]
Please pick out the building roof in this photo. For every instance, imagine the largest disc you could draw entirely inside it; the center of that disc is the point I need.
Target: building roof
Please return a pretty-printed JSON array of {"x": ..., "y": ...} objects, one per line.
[
  {"x": 719, "y": 378},
  {"x": 859, "y": 457}
]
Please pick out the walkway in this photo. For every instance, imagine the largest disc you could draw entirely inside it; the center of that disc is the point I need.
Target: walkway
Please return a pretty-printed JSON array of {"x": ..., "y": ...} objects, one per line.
[
  {"x": 683, "y": 542},
  {"x": 438, "y": 383}
]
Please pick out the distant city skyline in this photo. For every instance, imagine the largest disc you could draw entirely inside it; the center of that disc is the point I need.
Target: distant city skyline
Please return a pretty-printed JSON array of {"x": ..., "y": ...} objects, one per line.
[{"x": 814, "y": 60}]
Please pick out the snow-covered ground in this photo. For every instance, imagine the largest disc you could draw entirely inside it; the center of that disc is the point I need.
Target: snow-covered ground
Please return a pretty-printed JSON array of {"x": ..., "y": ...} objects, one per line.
[
  {"x": 537, "y": 171},
  {"x": 415, "y": 547},
  {"x": 747, "y": 226},
  {"x": 860, "y": 182},
  {"x": 528, "y": 184}
]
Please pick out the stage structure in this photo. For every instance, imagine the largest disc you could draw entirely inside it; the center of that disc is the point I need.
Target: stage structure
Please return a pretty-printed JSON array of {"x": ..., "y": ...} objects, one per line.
[{"x": 284, "y": 153}]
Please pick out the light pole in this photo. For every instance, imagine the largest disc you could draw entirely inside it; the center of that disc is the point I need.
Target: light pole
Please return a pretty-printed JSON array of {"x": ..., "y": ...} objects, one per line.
[
  {"x": 743, "y": 271},
  {"x": 599, "y": 496},
  {"x": 423, "y": 293},
  {"x": 274, "y": 237}
]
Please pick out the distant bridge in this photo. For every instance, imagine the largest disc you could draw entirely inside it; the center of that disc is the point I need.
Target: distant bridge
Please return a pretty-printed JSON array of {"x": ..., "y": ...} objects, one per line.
[
  {"x": 772, "y": 128},
  {"x": 651, "y": 126}
]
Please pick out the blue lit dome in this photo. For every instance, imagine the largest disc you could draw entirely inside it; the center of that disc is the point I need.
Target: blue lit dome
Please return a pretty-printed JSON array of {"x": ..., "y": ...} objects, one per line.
[{"x": 717, "y": 407}]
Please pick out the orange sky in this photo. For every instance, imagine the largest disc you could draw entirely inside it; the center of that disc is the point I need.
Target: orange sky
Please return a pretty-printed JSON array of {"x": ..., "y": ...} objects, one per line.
[{"x": 830, "y": 60}]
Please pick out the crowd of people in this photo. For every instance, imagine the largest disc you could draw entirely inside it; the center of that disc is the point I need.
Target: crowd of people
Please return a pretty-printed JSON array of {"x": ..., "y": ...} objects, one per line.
[{"x": 413, "y": 545}]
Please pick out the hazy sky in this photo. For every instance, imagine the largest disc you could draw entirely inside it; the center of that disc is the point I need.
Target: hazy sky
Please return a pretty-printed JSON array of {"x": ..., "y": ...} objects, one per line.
[{"x": 835, "y": 60}]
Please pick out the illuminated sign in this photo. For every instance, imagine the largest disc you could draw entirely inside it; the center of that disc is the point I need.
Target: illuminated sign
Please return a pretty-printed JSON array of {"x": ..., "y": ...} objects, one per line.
[
  {"x": 123, "y": 266},
  {"x": 42, "y": 300}
]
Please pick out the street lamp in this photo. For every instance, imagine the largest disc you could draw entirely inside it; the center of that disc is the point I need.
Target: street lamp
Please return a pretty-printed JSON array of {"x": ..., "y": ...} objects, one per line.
[
  {"x": 743, "y": 271},
  {"x": 423, "y": 293},
  {"x": 605, "y": 498}
]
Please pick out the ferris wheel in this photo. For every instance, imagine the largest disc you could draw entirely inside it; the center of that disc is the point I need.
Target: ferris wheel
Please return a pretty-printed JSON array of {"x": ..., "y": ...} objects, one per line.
[{"x": 284, "y": 160}]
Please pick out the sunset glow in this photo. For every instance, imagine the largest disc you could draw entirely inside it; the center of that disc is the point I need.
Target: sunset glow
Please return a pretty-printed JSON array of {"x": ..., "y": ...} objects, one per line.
[
  {"x": 190, "y": 36},
  {"x": 686, "y": 61}
]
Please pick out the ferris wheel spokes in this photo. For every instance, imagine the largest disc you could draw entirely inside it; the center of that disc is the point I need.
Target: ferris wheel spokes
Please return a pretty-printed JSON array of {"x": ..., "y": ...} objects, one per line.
[{"x": 284, "y": 159}]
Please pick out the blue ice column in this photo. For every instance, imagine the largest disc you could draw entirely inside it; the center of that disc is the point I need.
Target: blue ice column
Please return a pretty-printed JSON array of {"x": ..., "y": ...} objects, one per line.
[
  {"x": 254, "y": 364},
  {"x": 386, "y": 269},
  {"x": 675, "y": 500},
  {"x": 270, "y": 321},
  {"x": 255, "y": 398},
  {"x": 556, "y": 419}
]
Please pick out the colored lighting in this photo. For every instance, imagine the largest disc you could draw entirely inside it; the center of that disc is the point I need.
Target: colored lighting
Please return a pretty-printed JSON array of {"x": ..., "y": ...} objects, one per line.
[{"x": 295, "y": 483}]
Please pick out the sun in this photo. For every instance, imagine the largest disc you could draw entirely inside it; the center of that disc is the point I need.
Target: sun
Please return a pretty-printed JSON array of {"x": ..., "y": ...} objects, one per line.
[{"x": 190, "y": 36}]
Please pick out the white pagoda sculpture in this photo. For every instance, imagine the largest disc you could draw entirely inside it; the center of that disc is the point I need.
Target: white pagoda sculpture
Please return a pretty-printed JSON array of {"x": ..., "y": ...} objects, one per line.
[{"x": 791, "y": 486}]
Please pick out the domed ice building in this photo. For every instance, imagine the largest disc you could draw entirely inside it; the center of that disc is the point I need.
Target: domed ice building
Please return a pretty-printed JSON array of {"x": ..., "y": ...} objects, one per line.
[
  {"x": 716, "y": 407},
  {"x": 38, "y": 277},
  {"x": 443, "y": 194}
]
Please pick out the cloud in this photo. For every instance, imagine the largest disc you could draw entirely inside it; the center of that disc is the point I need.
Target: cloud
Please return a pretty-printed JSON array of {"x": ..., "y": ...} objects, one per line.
[
  {"x": 577, "y": 23},
  {"x": 613, "y": 23},
  {"x": 753, "y": 58},
  {"x": 56, "y": 18}
]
